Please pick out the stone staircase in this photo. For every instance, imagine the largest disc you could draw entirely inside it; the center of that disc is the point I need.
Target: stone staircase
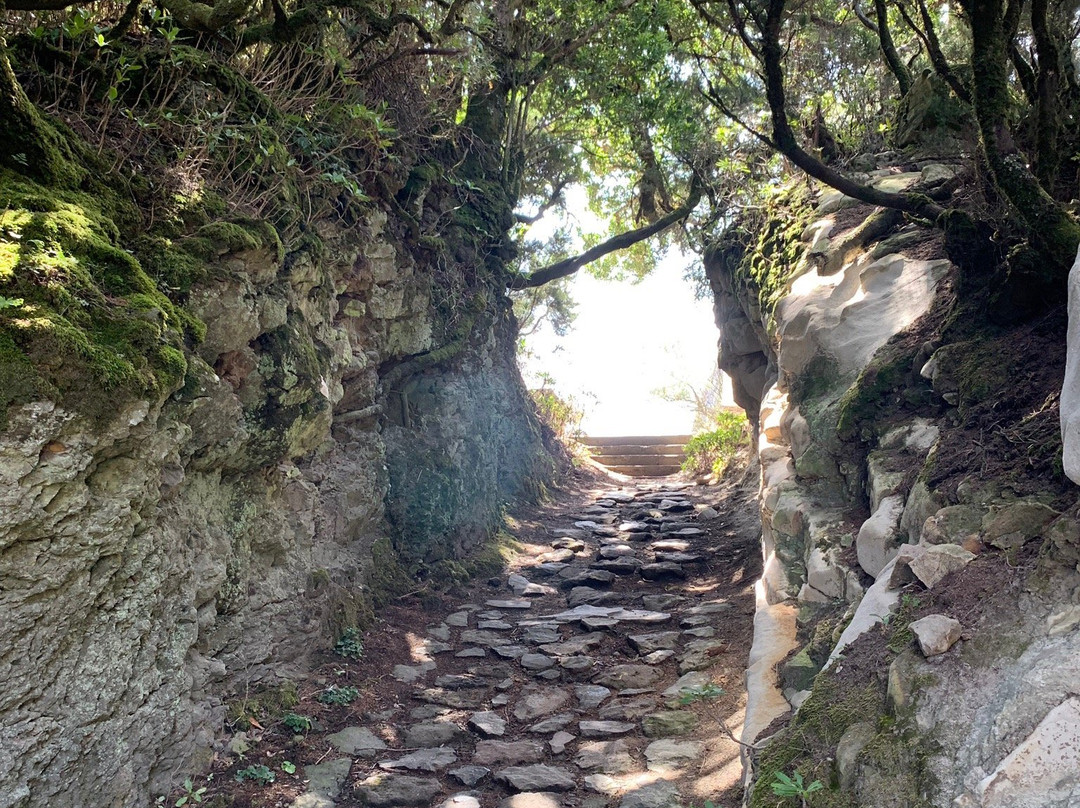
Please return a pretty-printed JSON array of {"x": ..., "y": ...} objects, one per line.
[{"x": 636, "y": 456}]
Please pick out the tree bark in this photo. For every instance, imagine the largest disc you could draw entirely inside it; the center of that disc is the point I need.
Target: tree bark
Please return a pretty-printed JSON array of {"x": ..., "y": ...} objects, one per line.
[
  {"x": 1050, "y": 228},
  {"x": 888, "y": 48}
]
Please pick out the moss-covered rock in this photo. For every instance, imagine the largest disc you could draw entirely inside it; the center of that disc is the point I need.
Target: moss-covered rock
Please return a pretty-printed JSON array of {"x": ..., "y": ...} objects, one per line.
[{"x": 81, "y": 320}]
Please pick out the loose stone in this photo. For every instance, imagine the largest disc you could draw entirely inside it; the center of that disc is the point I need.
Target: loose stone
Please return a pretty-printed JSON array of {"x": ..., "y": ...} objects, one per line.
[
  {"x": 536, "y": 662},
  {"x": 609, "y": 757},
  {"x": 668, "y": 756},
  {"x": 488, "y": 724},
  {"x": 458, "y": 619},
  {"x": 559, "y": 741},
  {"x": 553, "y": 724},
  {"x": 469, "y": 775},
  {"x": 591, "y": 696},
  {"x": 469, "y": 653},
  {"x": 535, "y": 704},
  {"x": 662, "y": 571}
]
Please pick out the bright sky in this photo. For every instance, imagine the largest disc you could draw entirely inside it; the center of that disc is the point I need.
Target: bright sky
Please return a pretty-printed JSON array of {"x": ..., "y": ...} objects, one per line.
[{"x": 628, "y": 341}]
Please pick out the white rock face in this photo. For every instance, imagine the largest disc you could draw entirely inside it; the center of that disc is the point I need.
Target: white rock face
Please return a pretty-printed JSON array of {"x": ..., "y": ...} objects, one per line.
[
  {"x": 849, "y": 315},
  {"x": 879, "y": 601},
  {"x": 774, "y": 639},
  {"x": 1070, "y": 387},
  {"x": 1044, "y": 769},
  {"x": 879, "y": 535}
]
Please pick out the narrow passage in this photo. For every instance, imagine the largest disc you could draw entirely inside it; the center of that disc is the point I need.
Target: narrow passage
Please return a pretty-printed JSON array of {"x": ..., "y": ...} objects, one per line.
[{"x": 604, "y": 668}]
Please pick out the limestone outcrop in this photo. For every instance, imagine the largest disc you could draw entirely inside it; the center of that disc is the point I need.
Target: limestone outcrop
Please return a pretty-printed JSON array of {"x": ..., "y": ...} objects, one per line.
[{"x": 838, "y": 353}]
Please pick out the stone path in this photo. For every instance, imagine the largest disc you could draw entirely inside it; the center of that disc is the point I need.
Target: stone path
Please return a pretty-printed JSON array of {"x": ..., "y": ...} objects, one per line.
[{"x": 596, "y": 672}]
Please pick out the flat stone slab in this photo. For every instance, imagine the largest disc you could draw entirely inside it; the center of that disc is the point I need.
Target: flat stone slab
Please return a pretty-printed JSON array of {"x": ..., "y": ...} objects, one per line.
[
  {"x": 591, "y": 696},
  {"x": 327, "y": 779},
  {"x": 532, "y": 799},
  {"x": 537, "y": 703},
  {"x": 604, "y": 729},
  {"x": 553, "y": 724},
  {"x": 398, "y": 791},
  {"x": 488, "y": 724},
  {"x": 428, "y": 760},
  {"x": 668, "y": 755},
  {"x": 625, "y": 677},
  {"x": 609, "y": 757},
  {"x": 656, "y": 641},
  {"x": 356, "y": 741},
  {"x": 668, "y": 722},
  {"x": 687, "y": 683},
  {"x": 537, "y": 777},
  {"x": 500, "y": 753},
  {"x": 514, "y": 603},
  {"x": 432, "y": 733}
]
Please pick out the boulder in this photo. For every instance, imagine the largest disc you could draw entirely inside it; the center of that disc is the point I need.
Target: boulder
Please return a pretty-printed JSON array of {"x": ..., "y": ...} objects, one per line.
[
  {"x": 937, "y": 561},
  {"x": 879, "y": 535},
  {"x": 936, "y": 633}
]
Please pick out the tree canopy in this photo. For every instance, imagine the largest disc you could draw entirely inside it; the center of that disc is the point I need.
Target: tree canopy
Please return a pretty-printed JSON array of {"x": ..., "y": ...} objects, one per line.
[{"x": 671, "y": 114}]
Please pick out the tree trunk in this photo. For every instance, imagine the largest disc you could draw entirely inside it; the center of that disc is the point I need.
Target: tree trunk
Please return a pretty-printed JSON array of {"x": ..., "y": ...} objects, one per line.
[
  {"x": 1050, "y": 228},
  {"x": 31, "y": 146}
]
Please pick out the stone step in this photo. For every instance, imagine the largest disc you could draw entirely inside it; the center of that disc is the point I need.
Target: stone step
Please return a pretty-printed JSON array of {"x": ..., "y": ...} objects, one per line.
[
  {"x": 644, "y": 471},
  {"x": 639, "y": 459},
  {"x": 654, "y": 440}
]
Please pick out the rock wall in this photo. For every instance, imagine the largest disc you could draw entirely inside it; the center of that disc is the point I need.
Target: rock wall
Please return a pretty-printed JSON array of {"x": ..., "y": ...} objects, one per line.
[
  {"x": 911, "y": 645},
  {"x": 336, "y": 427}
]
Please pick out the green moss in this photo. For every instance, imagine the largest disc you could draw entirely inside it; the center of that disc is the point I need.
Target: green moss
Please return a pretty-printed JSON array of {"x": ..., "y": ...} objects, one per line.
[
  {"x": 387, "y": 578},
  {"x": 241, "y": 235},
  {"x": 808, "y": 744},
  {"x": 876, "y": 386},
  {"x": 92, "y": 326},
  {"x": 269, "y": 703}
]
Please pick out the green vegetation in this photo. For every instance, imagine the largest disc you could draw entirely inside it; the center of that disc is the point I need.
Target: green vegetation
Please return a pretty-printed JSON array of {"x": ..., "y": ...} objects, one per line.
[
  {"x": 296, "y": 722},
  {"x": 339, "y": 696},
  {"x": 711, "y": 452},
  {"x": 260, "y": 774},
  {"x": 561, "y": 414},
  {"x": 191, "y": 794},
  {"x": 794, "y": 786},
  {"x": 349, "y": 644}
]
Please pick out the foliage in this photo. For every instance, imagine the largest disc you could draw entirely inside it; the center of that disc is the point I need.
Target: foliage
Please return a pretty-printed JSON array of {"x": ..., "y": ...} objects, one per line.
[
  {"x": 288, "y": 767},
  {"x": 560, "y": 413},
  {"x": 191, "y": 794},
  {"x": 339, "y": 696},
  {"x": 349, "y": 644},
  {"x": 257, "y": 774},
  {"x": 713, "y": 451},
  {"x": 296, "y": 722},
  {"x": 794, "y": 786},
  {"x": 706, "y": 692}
]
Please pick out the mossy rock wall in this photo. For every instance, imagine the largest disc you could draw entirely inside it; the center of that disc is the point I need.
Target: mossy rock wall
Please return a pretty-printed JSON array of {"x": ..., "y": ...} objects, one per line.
[{"x": 201, "y": 464}]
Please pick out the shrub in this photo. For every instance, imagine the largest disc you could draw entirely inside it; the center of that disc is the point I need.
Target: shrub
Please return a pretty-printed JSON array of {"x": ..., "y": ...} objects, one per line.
[
  {"x": 712, "y": 451},
  {"x": 561, "y": 415}
]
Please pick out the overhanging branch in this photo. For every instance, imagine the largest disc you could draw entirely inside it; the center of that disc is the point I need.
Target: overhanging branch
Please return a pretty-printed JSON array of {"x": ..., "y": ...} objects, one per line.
[{"x": 568, "y": 266}]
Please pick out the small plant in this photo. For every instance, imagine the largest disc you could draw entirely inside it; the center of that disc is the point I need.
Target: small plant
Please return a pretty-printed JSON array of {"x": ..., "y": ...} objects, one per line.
[
  {"x": 340, "y": 696},
  {"x": 259, "y": 774},
  {"x": 712, "y": 451},
  {"x": 784, "y": 786},
  {"x": 703, "y": 693},
  {"x": 191, "y": 794},
  {"x": 297, "y": 723},
  {"x": 349, "y": 644},
  {"x": 288, "y": 767}
]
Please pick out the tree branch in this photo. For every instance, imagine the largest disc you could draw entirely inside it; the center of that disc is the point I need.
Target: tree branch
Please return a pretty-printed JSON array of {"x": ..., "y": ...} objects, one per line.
[
  {"x": 569, "y": 266},
  {"x": 888, "y": 48},
  {"x": 928, "y": 35}
]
